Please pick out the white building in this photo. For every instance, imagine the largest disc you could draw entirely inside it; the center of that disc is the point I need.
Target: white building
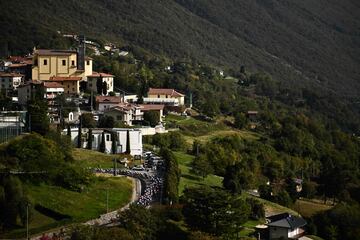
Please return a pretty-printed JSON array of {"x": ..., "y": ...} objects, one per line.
[
  {"x": 52, "y": 90},
  {"x": 106, "y": 102},
  {"x": 103, "y": 77},
  {"x": 10, "y": 81},
  {"x": 130, "y": 113},
  {"x": 135, "y": 136},
  {"x": 126, "y": 113},
  {"x": 285, "y": 226},
  {"x": 165, "y": 96}
]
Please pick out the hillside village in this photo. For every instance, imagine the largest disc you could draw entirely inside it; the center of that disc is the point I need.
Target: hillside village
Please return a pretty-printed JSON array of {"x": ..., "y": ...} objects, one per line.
[
  {"x": 69, "y": 74},
  {"x": 244, "y": 143}
]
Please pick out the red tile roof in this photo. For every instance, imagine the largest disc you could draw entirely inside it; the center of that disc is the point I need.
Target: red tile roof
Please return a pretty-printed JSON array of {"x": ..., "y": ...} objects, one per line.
[
  {"x": 96, "y": 74},
  {"x": 108, "y": 99},
  {"x": 5, "y": 74},
  {"x": 53, "y": 85},
  {"x": 16, "y": 65},
  {"x": 152, "y": 107},
  {"x": 164, "y": 91},
  {"x": 120, "y": 108},
  {"x": 30, "y": 82},
  {"x": 17, "y": 59},
  {"x": 53, "y": 52},
  {"x": 61, "y": 79}
]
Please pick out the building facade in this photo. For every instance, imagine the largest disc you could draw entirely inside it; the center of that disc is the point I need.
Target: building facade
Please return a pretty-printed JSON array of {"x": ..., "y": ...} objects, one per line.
[
  {"x": 165, "y": 96},
  {"x": 104, "y": 103},
  {"x": 122, "y": 134},
  {"x": 71, "y": 85},
  {"x": 60, "y": 63},
  {"x": 10, "y": 81},
  {"x": 92, "y": 81}
]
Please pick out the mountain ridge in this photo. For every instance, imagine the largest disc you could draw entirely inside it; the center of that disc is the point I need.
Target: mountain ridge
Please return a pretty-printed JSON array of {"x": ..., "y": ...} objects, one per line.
[{"x": 307, "y": 43}]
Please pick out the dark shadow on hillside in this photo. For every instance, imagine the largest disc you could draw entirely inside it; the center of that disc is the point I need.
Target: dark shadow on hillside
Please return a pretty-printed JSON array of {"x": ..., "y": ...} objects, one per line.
[
  {"x": 51, "y": 213},
  {"x": 191, "y": 177}
]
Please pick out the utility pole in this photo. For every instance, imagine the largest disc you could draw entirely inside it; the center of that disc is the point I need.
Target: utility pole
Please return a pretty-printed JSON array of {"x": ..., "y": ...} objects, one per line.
[
  {"x": 27, "y": 221},
  {"x": 115, "y": 166},
  {"x": 107, "y": 200},
  {"x": 91, "y": 100}
]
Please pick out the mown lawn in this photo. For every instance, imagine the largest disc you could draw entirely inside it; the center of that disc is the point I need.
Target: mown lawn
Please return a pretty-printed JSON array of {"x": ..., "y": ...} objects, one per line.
[
  {"x": 308, "y": 208},
  {"x": 85, "y": 205},
  {"x": 188, "y": 179},
  {"x": 90, "y": 158},
  {"x": 78, "y": 207}
]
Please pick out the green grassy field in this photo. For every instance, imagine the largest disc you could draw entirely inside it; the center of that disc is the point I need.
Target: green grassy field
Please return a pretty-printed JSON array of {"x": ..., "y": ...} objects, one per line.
[
  {"x": 191, "y": 180},
  {"x": 89, "y": 158},
  {"x": 204, "y": 131},
  {"x": 188, "y": 179},
  {"x": 79, "y": 207},
  {"x": 76, "y": 207},
  {"x": 308, "y": 208}
]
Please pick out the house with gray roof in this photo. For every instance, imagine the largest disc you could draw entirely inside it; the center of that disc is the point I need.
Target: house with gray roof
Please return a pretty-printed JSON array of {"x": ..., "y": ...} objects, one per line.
[{"x": 285, "y": 226}]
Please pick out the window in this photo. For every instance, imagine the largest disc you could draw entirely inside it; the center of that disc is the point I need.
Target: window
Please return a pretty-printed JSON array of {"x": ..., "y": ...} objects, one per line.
[
  {"x": 45, "y": 62},
  {"x": 73, "y": 89},
  {"x": 166, "y": 96},
  {"x": 73, "y": 63},
  {"x": 107, "y": 137},
  {"x": 73, "y": 83},
  {"x": 158, "y": 96},
  {"x": 64, "y": 62},
  {"x": 68, "y": 86},
  {"x": 87, "y": 62}
]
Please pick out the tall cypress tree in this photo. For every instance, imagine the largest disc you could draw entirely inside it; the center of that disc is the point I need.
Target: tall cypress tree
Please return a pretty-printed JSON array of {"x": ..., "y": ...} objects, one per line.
[
  {"x": 99, "y": 86},
  {"x": 128, "y": 142},
  {"x": 104, "y": 88},
  {"x": 113, "y": 144},
  {"x": 89, "y": 146},
  {"x": 102, "y": 144},
  {"x": 79, "y": 134},
  {"x": 68, "y": 130}
]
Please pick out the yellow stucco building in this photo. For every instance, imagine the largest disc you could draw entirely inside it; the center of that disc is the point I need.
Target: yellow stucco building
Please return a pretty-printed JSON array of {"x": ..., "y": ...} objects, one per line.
[{"x": 63, "y": 64}]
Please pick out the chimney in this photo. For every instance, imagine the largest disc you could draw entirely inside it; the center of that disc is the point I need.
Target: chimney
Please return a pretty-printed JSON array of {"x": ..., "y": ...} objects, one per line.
[{"x": 81, "y": 53}]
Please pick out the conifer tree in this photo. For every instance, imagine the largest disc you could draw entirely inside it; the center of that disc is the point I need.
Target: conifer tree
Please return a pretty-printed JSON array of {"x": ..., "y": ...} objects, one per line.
[
  {"x": 79, "y": 134},
  {"x": 128, "y": 142},
  {"x": 89, "y": 146},
  {"x": 102, "y": 144}
]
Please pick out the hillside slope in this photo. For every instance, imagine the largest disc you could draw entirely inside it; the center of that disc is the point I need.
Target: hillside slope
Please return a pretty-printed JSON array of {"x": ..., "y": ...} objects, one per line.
[{"x": 309, "y": 42}]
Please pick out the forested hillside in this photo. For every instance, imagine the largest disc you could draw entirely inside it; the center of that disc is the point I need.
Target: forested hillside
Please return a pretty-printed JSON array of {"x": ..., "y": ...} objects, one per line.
[{"x": 314, "y": 43}]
